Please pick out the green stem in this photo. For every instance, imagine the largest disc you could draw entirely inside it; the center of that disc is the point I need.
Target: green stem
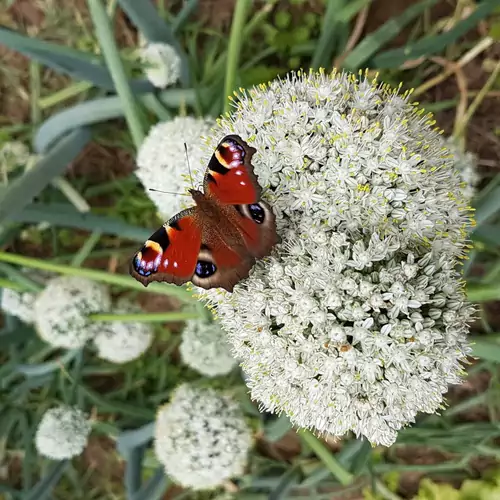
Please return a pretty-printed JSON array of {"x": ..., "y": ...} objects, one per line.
[
  {"x": 96, "y": 275},
  {"x": 64, "y": 94},
  {"x": 234, "y": 49},
  {"x": 326, "y": 456},
  {"x": 162, "y": 317},
  {"x": 112, "y": 57}
]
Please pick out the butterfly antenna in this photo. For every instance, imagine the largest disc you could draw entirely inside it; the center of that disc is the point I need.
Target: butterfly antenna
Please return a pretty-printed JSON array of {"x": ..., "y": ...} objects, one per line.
[
  {"x": 189, "y": 166},
  {"x": 168, "y": 192}
]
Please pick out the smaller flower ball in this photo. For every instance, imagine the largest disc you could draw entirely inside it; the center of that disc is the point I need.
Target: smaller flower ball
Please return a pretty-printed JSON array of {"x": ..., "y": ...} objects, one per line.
[
  {"x": 204, "y": 348},
  {"x": 162, "y": 164},
  {"x": 62, "y": 310},
  {"x": 62, "y": 433},
  {"x": 201, "y": 438},
  {"x": 18, "y": 304},
  {"x": 121, "y": 342},
  {"x": 465, "y": 164},
  {"x": 163, "y": 64}
]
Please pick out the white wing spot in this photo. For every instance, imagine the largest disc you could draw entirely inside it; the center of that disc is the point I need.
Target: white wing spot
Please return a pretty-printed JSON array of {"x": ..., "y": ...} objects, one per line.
[
  {"x": 238, "y": 172},
  {"x": 175, "y": 263},
  {"x": 243, "y": 183}
]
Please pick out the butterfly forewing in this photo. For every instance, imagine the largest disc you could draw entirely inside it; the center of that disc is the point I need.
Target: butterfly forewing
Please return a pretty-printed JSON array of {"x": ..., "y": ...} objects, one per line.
[{"x": 214, "y": 244}]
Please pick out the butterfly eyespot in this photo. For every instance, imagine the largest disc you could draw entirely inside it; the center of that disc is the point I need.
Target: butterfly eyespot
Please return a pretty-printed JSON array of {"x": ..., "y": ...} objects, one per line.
[
  {"x": 205, "y": 269},
  {"x": 257, "y": 213}
]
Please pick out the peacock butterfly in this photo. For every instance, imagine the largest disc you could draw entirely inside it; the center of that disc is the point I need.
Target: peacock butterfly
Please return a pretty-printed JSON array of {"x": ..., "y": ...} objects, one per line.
[{"x": 215, "y": 243}]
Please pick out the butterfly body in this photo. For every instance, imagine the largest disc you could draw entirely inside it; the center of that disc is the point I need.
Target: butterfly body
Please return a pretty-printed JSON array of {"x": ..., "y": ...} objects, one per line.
[{"x": 215, "y": 243}]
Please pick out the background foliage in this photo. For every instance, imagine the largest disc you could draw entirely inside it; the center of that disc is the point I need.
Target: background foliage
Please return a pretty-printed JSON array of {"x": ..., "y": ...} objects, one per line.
[{"x": 72, "y": 88}]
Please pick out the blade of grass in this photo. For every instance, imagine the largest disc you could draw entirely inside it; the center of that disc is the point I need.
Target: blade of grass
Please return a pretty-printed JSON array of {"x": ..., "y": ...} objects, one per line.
[
  {"x": 26, "y": 187},
  {"x": 155, "y": 488},
  {"x": 188, "y": 8},
  {"x": 64, "y": 94},
  {"x": 102, "y": 276},
  {"x": 374, "y": 41},
  {"x": 434, "y": 43},
  {"x": 326, "y": 456},
  {"x": 126, "y": 409},
  {"x": 351, "y": 9},
  {"x": 145, "y": 17},
  {"x": 40, "y": 369},
  {"x": 107, "y": 42},
  {"x": 161, "y": 317},
  {"x": 328, "y": 38},
  {"x": 483, "y": 292},
  {"x": 486, "y": 348},
  {"x": 86, "y": 248},
  {"x": 78, "y": 65},
  {"x": 64, "y": 215},
  {"x": 487, "y": 206},
  {"x": 234, "y": 49},
  {"x": 276, "y": 429},
  {"x": 43, "y": 489}
]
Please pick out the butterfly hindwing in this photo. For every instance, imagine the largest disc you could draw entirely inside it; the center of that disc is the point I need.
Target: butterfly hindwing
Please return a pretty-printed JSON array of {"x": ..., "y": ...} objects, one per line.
[
  {"x": 171, "y": 253},
  {"x": 230, "y": 177}
]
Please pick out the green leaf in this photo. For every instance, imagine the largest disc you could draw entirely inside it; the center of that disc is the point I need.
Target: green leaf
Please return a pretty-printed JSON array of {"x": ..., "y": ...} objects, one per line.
[
  {"x": 78, "y": 65},
  {"x": 133, "y": 470},
  {"x": 17, "y": 336},
  {"x": 488, "y": 234},
  {"x": 59, "y": 214},
  {"x": 43, "y": 489},
  {"x": 41, "y": 369},
  {"x": 155, "y": 488},
  {"x": 434, "y": 43},
  {"x": 25, "y": 188},
  {"x": 487, "y": 206},
  {"x": 328, "y": 38},
  {"x": 483, "y": 292},
  {"x": 351, "y": 9},
  {"x": 289, "y": 479},
  {"x": 188, "y": 8},
  {"x": 128, "y": 440},
  {"x": 97, "y": 111},
  {"x": 276, "y": 429},
  {"x": 145, "y": 17},
  {"x": 374, "y": 41},
  {"x": 486, "y": 349}
]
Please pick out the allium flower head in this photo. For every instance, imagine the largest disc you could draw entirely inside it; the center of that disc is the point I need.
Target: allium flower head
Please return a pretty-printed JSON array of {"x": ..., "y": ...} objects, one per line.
[
  {"x": 201, "y": 438},
  {"x": 14, "y": 154},
  {"x": 18, "y": 304},
  {"x": 119, "y": 341},
  {"x": 62, "y": 433},
  {"x": 163, "y": 64},
  {"x": 63, "y": 307},
  {"x": 466, "y": 165},
  {"x": 205, "y": 348},
  {"x": 161, "y": 161},
  {"x": 359, "y": 319}
]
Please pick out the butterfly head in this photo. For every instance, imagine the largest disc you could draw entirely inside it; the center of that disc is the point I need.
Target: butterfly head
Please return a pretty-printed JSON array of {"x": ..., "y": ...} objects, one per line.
[{"x": 196, "y": 194}]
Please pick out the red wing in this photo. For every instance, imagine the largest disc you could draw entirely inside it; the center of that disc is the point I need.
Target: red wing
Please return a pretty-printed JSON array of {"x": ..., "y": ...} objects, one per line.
[
  {"x": 171, "y": 253},
  {"x": 230, "y": 177}
]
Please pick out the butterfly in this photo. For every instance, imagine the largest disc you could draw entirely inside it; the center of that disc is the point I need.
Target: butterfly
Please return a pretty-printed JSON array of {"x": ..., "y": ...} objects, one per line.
[{"x": 216, "y": 243}]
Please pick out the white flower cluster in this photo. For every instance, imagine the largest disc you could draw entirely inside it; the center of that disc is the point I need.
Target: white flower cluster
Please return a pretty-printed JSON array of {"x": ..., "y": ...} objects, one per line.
[
  {"x": 120, "y": 341},
  {"x": 62, "y": 433},
  {"x": 359, "y": 319},
  {"x": 18, "y": 304},
  {"x": 204, "y": 348},
  {"x": 466, "y": 165},
  {"x": 162, "y": 64},
  {"x": 63, "y": 307},
  {"x": 201, "y": 438},
  {"x": 14, "y": 154},
  {"x": 161, "y": 161}
]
